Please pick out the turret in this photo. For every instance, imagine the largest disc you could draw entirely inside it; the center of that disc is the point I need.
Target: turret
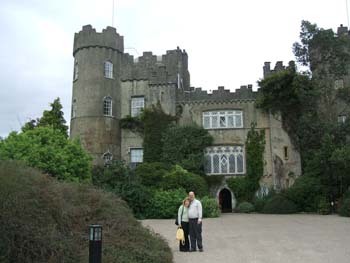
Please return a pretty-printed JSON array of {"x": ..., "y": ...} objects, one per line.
[{"x": 96, "y": 92}]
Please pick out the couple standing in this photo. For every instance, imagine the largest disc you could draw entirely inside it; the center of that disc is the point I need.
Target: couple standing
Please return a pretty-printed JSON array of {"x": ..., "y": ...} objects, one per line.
[{"x": 190, "y": 215}]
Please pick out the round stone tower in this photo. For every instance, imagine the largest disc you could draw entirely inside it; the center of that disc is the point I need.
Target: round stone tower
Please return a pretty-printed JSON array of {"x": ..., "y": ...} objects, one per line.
[{"x": 96, "y": 92}]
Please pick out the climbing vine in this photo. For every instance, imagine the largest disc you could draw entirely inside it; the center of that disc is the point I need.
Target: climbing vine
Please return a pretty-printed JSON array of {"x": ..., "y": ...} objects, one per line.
[{"x": 245, "y": 187}]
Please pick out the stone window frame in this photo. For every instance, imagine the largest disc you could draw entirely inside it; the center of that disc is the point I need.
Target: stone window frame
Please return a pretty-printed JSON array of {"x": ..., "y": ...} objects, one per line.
[
  {"x": 107, "y": 157},
  {"x": 108, "y": 69},
  {"x": 74, "y": 108},
  {"x": 137, "y": 151},
  {"x": 222, "y": 119},
  {"x": 76, "y": 70},
  {"x": 135, "y": 108},
  {"x": 108, "y": 106},
  {"x": 342, "y": 118},
  {"x": 225, "y": 160}
]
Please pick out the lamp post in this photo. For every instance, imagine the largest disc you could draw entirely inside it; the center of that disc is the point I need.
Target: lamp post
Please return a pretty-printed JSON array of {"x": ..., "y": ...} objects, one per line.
[{"x": 95, "y": 243}]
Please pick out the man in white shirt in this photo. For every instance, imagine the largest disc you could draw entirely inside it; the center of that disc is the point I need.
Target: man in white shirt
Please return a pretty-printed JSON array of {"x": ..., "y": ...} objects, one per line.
[{"x": 195, "y": 223}]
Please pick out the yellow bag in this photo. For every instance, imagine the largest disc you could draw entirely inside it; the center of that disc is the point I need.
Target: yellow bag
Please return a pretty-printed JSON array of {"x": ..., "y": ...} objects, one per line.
[{"x": 180, "y": 235}]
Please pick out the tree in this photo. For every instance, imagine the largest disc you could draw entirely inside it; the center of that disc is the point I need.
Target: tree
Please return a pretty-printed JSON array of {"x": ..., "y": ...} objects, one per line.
[
  {"x": 51, "y": 118},
  {"x": 48, "y": 149},
  {"x": 184, "y": 145}
]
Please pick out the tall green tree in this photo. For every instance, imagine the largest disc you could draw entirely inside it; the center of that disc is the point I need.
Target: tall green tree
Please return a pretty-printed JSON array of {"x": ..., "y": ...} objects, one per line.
[
  {"x": 51, "y": 118},
  {"x": 49, "y": 150}
]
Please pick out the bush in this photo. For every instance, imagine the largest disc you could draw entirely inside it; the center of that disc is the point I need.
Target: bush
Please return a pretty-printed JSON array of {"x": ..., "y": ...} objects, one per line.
[
  {"x": 151, "y": 174},
  {"x": 43, "y": 220},
  {"x": 165, "y": 203},
  {"x": 324, "y": 206},
  {"x": 245, "y": 207},
  {"x": 305, "y": 193},
  {"x": 242, "y": 187},
  {"x": 279, "y": 204},
  {"x": 260, "y": 201},
  {"x": 344, "y": 209},
  {"x": 210, "y": 207},
  {"x": 179, "y": 177},
  {"x": 119, "y": 179}
]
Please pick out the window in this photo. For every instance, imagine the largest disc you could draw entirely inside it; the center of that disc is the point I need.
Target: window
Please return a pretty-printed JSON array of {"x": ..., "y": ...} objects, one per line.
[
  {"x": 107, "y": 157},
  {"x": 223, "y": 119},
  {"x": 341, "y": 118},
  {"x": 108, "y": 70},
  {"x": 107, "y": 106},
  {"x": 76, "y": 70},
  {"x": 224, "y": 160},
  {"x": 136, "y": 155},
  {"x": 338, "y": 84},
  {"x": 74, "y": 108},
  {"x": 137, "y": 105},
  {"x": 285, "y": 152}
]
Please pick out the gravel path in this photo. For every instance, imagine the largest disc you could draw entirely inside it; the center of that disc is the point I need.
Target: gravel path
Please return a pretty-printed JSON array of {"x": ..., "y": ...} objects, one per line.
[{"x": 256, "y": 238}]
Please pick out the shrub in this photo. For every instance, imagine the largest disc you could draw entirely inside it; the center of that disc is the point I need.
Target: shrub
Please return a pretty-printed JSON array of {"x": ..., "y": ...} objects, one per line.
[
  {"x": 242, "y": 187},
  {"x": 119, "y": 179},
  {"x": 210, "y": 207},
  {"x": 245, "y": 207},
  {"x": 305, "y": 193},
  {"x": 43, "y": 220},
  {"x": 179, "y": 177},
  {"x": 344, "y": 209},
  {"x": 279, "y": 204},
  {"x": 165, "y": 203},
  {"x": 151, "y": 174},
  {"x": 324, "y": 206}
]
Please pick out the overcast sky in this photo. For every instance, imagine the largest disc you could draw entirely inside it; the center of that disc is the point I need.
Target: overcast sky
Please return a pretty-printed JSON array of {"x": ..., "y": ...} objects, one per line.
[{"x": 227, "y": 41}]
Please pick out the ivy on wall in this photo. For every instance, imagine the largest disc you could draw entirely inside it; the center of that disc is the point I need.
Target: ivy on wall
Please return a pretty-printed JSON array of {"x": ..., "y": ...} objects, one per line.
[{"x": 245, "y": 187}]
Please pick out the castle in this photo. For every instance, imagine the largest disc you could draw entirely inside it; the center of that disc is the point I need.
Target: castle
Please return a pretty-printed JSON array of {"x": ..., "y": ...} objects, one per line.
[{"x": 109, "y": 85}]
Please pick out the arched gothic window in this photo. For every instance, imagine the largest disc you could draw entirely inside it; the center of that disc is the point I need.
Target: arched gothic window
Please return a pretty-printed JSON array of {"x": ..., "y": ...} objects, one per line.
[
  {"x": 225, "y": 160},
  {"x": 107, "y": 157},
  {"x": 76, "y": 70}
]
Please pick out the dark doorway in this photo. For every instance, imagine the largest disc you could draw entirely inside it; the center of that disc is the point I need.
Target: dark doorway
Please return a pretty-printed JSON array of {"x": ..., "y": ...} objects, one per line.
[{"x": 225, "y": 201}]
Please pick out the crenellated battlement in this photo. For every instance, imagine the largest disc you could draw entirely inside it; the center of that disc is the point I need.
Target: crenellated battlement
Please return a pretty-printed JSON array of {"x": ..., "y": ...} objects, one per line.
[
  {"x": 221, "y": 94},
  {"x": 171, "y": 67},
  {"x": 278, "y": 67},
  {"x": 88, "y": 37}
]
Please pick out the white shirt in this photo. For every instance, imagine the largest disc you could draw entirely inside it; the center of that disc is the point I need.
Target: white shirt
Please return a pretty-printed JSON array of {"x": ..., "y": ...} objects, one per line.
[{"x": 195, "y": 210}]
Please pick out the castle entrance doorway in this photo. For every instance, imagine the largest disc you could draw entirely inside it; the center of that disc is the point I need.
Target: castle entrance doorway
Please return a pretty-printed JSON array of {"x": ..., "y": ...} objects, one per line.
[{"x": 225, "y": 201}]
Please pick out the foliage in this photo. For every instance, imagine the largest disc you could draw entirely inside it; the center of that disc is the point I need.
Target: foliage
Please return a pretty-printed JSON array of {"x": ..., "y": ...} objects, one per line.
[
  {"x": 48, "y": 149},
  {"x": 324, "y": 207},
  {"x": 44, "y": 220},
  {"x": 245, "y": 207},
  {"x": 305, "y": 193},
  {"x": 132, "y": 123},
  {"x": 152, "y": 174},
  {"x": 51, "y": 118},
  {"x": 214, "y": 180},
  {"x": 179, "y": 177},
  {"x": 155, "y": 122},
  {"x": 184, "y": 145},
  {"x": 279, "y": 204},
  {"x": 245, "y": 187},
  {"x": 119, "y": 179},
  {"x": 210, "y": 207},
  {"x": 344, "y": 209},
  {"x": 165, "y": 203}
]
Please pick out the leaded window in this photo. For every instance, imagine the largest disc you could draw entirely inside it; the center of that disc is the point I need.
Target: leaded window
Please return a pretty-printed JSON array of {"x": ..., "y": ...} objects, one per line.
[
  {"x": 136, "y": 155},
  {"x": 224, "y": 160},
  {"x": 227, "y": 119},
  {"x": 107, "y": 106},
  {"x": 137, "y": 105},
  {"x": 108, "y": 69},
  {"x": 107, "y": 157}
]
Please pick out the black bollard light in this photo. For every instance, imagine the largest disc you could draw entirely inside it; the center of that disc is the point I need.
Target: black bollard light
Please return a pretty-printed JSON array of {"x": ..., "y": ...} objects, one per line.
[{"x": 95, "y": 244}]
